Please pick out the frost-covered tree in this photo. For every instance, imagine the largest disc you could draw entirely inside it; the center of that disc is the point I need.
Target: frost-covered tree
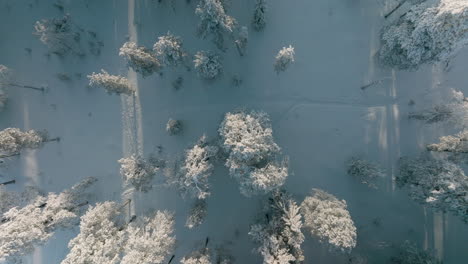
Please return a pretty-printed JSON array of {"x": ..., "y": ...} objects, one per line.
[
  {"x": 409, "y": 253},
  {"x": 259, "y": 18},
  {"x": 140, "y": 59},
  {"x": 168, "y": 49},
  {"x": 241, "y": 41},
  {"x": 101, "y": 238},
  {"x": 173, "y": 127},
  {"x": 248, "y": 140},
  {"x": 429, "y": 32},
  {"x": 196, "y": 169},
  {"x": 214, "y": 21},
  {"x": 23, "y": 228},
  {"x": 13, "y": 140},
  {"x": 436, "y": 183},
  {"x": 453, "y": 110},
  {"x": 5, "y": 74},
  {"x": 196, "y": 214},
  {"x": 457, "y": 143},
  {"x": 208, "y": 65},
  {"x": 59, "y": 35},
  {"x": 197, "y": 257},
  {"x": 328, "y": 220},
  {"x": 364, "y": 171},
  {"x": 279, "y": 233},
  {"x": 284, "y": 59},
  {"x": 149, "y": 240},
  {"x": 112, "y": 83},
  {"x": 138, "y": 172}
]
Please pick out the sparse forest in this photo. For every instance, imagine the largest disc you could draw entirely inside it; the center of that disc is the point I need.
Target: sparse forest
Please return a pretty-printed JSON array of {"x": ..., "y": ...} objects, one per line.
[{"x": 222, "y": 132}]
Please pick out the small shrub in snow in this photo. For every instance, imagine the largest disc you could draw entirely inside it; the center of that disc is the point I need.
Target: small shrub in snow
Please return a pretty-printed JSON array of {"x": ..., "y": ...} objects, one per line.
[
  {"x": 214, "y": 20},
  {"x": 21, "y": 229},
  {"x": 365, "y": 171},
  {"x": 259, "y": 18},
  {"x": 279, "y": 234},
  {"x": 112, "y": 83},
  {"x": 284, "y": 58},
  {"x": 140, "y": 59},
  {"x": 168, "y": 49},
  {"x": 197, "y": 214},
  {"x": 328, "y": 219},
  {"x": 173, "y": 127},
  {"x": 13, "y": 140},
  {"x": 427, "y": 33},
  {"x": 208, "y": 65},
  {"x": 138, "y": 172},
  {"x": 241, "y": 41},
  {"x": 439, "y": 184},
  {"x": 410, "y": 254},
  {"x": 248, "y": 140},
  {"x": 196, "y": 169},
  {"x": 149, "y": 239},
  {"x": 197, "y": 257}
]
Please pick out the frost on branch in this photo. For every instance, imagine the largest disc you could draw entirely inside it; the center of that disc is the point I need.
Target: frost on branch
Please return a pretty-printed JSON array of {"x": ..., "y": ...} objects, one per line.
[
  {"x": 24, "y": 228},
  {"x": 364, "y": 171},
  {"x": 208, "y": 65},
  {"x": 279, "y": 233},
  {"x": 453, "y": 110},
  {"x": 9, "y": 199},
  {"x": 138, "y": 172},
  {"x": 214, "y": 21},
  {"x": 149, "y": 239},
  {"x": 409, "y": 253},
  {"x": 140, "y": 59},
  {"x": 328, "y": 219},
  {"x": 457, "y": 143},
  {"x": 197, "y": 257},
  {"x": 439, "y": 184},
  {"x": 259, "y": 19},
  {"x": 197, "y": 214},
  {"x": 428, "y": 33},
  {"x": 196, "y": 169},
  {"x": 100, "y": 239},
  {"x": 284, "y": 59},
  {"x": 173, "y": 127},
  {"x": 168, "y": 49},
  {"x": 241, "y": 41},
  {"x": 112, "y": 83},
  {"x": 13, "y": 140},
  {"x": 252, "y": 153}
]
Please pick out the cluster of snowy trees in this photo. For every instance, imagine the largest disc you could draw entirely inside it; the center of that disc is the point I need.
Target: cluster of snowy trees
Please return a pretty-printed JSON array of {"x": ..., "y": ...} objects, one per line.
[
  {"x": 254, "y": 159},
  {"x": 105, "y": 237},
  {"x": 430, "y": 32},
  {"x": 24, "y": 227},
  {"x": 437, "y": 183},
  {"x": 63, "y": 37},
  {"x": 279, "y": 232}
]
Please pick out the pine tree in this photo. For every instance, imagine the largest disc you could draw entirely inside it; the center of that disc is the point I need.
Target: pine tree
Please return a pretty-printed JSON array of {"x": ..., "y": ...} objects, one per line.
[
  {"x": 112, "y": 83},
  {"x": 208, "y": 65},
  {"x": 140, "y": 59},
  {"x": 284, "y": 59}
]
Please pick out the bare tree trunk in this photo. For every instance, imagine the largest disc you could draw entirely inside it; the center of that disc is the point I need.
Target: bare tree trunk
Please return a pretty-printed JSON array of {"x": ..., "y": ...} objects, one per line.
[
  {"x": 42, "y": 89},
  {"x": 8, "y": 182},
  {"x": 170, "y": 260},
  {"x": 394, "y": 9},
  {"x": 9, "y": 155}
]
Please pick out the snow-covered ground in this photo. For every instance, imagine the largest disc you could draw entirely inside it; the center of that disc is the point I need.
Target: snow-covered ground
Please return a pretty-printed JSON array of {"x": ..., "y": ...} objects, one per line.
[{"x": 320, "y": 116}]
